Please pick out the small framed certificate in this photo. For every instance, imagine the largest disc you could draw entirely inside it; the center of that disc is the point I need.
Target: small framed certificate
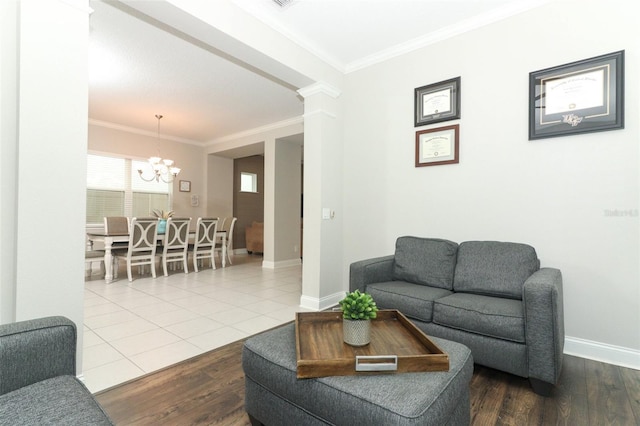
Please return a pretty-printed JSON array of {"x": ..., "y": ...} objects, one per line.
[
  {"x": 437, "y": 102},
  {"x": 579, "y": 97},
  {"x": 437, "y": 146}
]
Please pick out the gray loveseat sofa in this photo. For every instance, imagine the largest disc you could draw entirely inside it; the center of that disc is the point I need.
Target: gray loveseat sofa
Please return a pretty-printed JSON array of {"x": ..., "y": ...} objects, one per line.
[
  {"x": 491, "y": 296},
  {"x": 38, "y": 385}
]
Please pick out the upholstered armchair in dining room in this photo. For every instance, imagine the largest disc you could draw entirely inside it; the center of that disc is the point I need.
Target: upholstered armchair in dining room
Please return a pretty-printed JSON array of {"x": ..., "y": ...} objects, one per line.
[
  {"x": 117, "y": 225},
  {"x": 254, "y": 237}
]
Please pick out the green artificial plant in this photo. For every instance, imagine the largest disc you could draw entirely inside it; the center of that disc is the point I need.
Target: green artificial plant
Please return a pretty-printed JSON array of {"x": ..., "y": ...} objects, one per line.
[{"x": 358, "y": 306}]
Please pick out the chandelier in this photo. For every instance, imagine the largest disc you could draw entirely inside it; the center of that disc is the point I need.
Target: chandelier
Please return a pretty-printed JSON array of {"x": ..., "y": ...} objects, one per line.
[{"x": 162, "y": 168}]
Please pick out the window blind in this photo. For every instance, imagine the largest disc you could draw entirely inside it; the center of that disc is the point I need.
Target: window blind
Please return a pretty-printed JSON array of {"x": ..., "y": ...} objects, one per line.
[{"x": 114, "y": 188}]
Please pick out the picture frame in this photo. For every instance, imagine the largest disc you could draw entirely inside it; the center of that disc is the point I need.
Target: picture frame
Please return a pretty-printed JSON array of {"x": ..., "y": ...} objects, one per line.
[
  {"x": 437, "y": 102},
  {"x": 438, "y": 146},
  {"x": 185, "y": 186},
  {"x": 579, "y": 97}
]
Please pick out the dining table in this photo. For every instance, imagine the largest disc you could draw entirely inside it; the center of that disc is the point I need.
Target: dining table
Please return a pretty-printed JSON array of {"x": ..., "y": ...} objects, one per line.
[{"x": 107, "y": 239}]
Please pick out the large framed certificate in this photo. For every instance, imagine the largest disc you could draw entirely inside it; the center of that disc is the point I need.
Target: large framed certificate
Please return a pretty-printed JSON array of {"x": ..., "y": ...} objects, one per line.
[
  {"x": 437, "y": 102},
  {"x": 579, "y": 97},
  {"x": 437, "y": 146}
]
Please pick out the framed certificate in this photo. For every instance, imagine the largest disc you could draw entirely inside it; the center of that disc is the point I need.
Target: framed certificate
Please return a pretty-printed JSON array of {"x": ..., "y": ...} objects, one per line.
[
  {"x": 579, "y": 97},
  {"x": 437, "y": 146},
  {"x": 437, "y": 102}
]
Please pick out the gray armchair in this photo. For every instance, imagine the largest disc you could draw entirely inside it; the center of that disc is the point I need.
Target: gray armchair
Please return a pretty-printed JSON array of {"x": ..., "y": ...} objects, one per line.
[{"x": 38, "y": 383}]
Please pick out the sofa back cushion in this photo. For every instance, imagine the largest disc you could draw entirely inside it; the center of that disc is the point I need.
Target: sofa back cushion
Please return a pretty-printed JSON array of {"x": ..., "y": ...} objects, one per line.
[
  {"x": 494, "y": 268},
  {"x": 426, "y": 261}
]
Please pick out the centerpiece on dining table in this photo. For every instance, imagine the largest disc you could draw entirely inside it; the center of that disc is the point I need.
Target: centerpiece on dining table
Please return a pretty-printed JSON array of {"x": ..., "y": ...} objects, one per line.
[{"x": 163, "y": 216}]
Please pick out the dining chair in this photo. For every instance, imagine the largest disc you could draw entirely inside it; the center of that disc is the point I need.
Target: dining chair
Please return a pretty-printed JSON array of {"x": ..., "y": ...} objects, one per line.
[
  {"x": 204, "y": 241},
  {"x": 91, "y": 256},
  {"x": 117, "y": 225},
  {"x": 228, "y": 225},
  {"x": 141, "y": 251},
  {"x": 175, "y": 244}
]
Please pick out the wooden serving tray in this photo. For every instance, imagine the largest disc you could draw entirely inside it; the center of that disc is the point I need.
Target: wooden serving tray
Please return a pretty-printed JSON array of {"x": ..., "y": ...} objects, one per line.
[{"x": 397, "y": 346}]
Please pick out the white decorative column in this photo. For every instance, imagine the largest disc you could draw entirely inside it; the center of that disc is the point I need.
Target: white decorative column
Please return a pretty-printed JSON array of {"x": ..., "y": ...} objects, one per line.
[
  {"x": 9, "y": 78},
  {"x": 322, "y": 270},
  {"x": 52, "y": 156}
]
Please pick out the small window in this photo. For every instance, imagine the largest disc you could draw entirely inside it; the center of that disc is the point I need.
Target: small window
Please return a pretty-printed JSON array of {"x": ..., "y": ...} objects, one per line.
[{"x": 248, "y": 182}]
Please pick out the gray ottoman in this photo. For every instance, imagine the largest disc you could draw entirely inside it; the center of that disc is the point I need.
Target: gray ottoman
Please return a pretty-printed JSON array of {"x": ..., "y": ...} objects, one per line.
[{"x": 274, "y": 396}]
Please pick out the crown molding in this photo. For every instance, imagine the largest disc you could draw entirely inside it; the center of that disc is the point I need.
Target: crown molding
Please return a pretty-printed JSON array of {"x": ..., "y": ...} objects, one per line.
[
  {"x": 507, "y": 11},
  {"x": 511, "y": 9},
  {"x": 303, "y": 42},
  {"x": 319, "y": 87},
  {"x": 134, "y": 130},
  {"x": 258, "y": 130}
]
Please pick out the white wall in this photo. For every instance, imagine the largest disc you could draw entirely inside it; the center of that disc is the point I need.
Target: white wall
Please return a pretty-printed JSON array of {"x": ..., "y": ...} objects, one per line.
[
  {"x": 44, "y": 131},
  {"x": 136, "y": 145},
  {"x": 550, "y": 193},
  {"x": 219, "y": 202}
]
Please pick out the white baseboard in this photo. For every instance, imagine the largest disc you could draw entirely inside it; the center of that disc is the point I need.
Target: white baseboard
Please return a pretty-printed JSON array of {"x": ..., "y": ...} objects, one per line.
[
  {"x": 281, "y": 264},
  {"x": 611, "y": 354},
  {"x": 321, "y": 304}
]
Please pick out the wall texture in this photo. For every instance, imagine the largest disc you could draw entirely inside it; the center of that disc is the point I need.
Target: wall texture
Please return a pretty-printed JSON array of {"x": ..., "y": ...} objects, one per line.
[{"x": 553, "y": 194}]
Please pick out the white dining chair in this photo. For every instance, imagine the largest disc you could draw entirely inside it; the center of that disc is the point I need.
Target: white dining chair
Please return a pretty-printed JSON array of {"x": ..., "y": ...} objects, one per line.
[
  {"x": 90, "y": 257},
  {"x": 204, "y": 241},
  {"x": 175, "y": 244},
  {"x": 227, "y": 226},
  {"x": 141, "y": 251}
]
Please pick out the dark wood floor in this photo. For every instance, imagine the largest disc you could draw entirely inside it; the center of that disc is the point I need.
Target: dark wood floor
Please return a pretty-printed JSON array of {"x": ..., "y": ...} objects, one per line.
[{"x": 209, "y": 390}]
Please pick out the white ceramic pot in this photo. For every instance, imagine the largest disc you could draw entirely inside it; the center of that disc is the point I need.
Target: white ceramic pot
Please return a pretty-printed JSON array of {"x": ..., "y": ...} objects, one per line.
[{"x": 356, "y": 332}]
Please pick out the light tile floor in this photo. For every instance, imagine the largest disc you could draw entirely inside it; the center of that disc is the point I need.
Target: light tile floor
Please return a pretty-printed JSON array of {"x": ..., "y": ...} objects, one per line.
[{"x": 131, "y": 329}]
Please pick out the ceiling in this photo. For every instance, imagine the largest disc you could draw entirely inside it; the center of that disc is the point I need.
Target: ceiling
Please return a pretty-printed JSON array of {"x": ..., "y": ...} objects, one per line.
[{"x": 138, "y": 68}]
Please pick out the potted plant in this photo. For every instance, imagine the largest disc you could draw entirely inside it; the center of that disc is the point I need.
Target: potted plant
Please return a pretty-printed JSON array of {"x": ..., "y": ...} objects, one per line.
[
  {"x": 163, "y": 216},
  {"x": 358, "y": 309}
]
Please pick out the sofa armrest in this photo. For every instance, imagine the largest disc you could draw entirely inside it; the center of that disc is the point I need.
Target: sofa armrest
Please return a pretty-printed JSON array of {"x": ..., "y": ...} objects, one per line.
[
  {"x": 35, "y": 350},
  {"x": 363, "y": 272},
  {"x": 544, "y": 324}
]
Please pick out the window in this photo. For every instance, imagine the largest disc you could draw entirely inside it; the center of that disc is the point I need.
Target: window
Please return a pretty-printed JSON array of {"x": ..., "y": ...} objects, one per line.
[
  {"x": 115, "y": 189},
  {"x": 248, "y": 182}
]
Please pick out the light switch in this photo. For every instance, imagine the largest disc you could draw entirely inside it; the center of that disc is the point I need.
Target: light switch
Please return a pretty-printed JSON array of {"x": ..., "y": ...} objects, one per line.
[{"x": 326, "y": 213}]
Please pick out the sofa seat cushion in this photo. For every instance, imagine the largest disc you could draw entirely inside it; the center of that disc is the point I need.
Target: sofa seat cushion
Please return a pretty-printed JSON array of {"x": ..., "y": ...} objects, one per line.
[
  {"x": 494, "y": 268},
  {"x": 414, "y": 301},
  {"x": 497, "y": 317},
  {"x": 61, "y": 400},
  {"x": 426, "y": 261}
]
